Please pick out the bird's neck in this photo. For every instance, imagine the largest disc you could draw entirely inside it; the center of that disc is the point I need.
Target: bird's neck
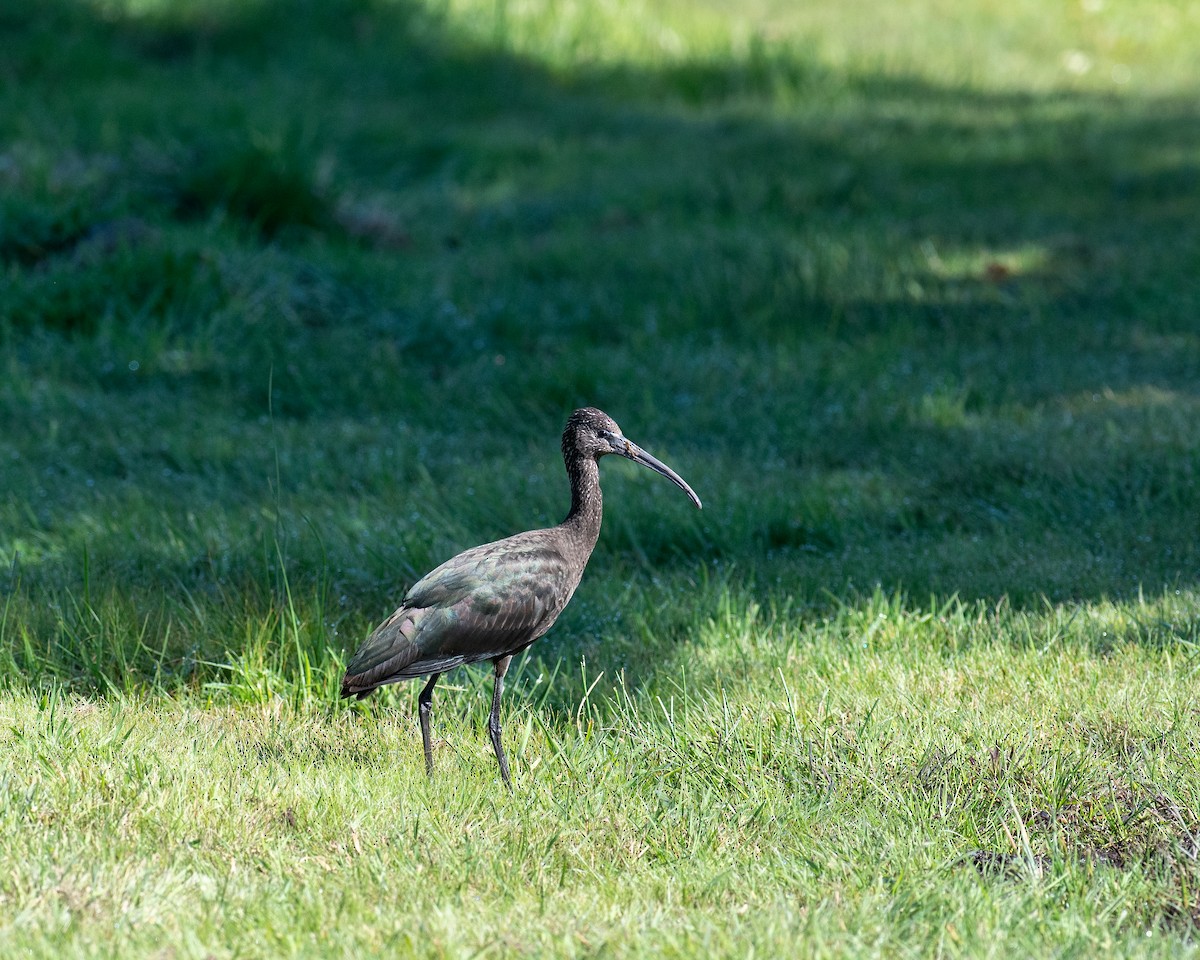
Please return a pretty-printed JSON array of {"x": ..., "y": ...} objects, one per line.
[{"x": 587, "y": 505}]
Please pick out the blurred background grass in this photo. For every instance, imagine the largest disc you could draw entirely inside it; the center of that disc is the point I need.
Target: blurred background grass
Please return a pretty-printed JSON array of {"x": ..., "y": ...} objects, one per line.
[{"x": 297, "y": 297}]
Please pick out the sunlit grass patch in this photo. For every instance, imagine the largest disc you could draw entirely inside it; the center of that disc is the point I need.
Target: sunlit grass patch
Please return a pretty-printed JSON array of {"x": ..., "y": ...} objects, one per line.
[
  {"x": 844, "y": 776},
  {"x": 580, "y": 32}
]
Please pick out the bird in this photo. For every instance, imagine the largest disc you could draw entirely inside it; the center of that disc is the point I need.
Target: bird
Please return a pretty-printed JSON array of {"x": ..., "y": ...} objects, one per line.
[{"x": 492, "y": 601}]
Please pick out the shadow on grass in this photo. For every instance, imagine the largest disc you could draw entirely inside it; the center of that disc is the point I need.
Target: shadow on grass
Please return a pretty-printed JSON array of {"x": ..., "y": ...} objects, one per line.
[
  {"x": 1074, "y": 181},
  {"x": 902, "y": 296}
]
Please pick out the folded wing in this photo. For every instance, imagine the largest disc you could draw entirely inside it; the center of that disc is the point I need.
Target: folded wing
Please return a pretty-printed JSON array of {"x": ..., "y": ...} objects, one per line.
[{"x": 488, "y": 602}]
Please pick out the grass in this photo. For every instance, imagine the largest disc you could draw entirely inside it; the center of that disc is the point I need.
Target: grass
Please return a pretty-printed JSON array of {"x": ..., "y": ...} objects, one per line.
[{"x": 296, "y": 298}]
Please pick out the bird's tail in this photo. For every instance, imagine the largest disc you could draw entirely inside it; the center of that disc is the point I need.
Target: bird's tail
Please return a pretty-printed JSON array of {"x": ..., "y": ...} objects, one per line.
[
  {"x": 384, "y": 655},
  {"x": 350, "y": 689}
]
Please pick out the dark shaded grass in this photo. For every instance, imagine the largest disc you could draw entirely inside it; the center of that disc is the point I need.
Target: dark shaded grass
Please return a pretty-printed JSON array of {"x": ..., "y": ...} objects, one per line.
[{"x": 937, "y": 339}]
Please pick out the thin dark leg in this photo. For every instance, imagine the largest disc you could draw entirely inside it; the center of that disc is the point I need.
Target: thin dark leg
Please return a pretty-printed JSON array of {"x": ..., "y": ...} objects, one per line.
[
  {"x": 424, "y": 705},
  {"x": 494, "y": 720}
]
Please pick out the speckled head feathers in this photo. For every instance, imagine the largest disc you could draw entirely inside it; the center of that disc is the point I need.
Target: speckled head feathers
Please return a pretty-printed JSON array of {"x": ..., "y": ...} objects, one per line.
[
  {"x": 589, "y": 432},
  {"x": 592, "y": 433}
]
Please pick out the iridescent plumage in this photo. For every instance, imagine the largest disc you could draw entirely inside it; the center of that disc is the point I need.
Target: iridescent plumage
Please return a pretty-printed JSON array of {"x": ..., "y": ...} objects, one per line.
[{"x": 494, "y": 600}]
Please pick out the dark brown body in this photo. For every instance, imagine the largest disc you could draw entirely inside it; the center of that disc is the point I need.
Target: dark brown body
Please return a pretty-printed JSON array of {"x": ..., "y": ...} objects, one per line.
[{"x": 494, "y": 600}]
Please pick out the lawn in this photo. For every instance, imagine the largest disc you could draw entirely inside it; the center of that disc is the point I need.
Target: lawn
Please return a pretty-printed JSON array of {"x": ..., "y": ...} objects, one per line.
[{"x": 296, "y": 298}]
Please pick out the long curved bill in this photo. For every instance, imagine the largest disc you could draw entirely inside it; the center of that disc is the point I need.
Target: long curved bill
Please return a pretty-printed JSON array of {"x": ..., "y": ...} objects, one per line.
[{"x": 629, "y": 449}]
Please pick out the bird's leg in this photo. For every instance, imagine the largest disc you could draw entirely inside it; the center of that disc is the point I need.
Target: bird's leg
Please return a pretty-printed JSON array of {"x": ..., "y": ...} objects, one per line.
[
  {"x": 424, "y": 705},
  {"x": 494, "y": 719}
]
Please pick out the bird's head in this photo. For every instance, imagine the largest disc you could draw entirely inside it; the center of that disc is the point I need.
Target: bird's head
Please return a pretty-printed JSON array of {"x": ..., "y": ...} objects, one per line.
[{"x": 592, "y": 434}]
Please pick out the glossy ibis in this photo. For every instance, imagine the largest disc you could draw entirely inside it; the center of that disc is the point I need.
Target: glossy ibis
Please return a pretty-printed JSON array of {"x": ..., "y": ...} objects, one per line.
[{"x": 493, "y": 601}]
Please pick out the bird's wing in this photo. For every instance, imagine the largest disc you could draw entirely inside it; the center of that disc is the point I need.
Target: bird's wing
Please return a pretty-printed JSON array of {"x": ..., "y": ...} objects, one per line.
[{"x": 485, "y": 603}]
